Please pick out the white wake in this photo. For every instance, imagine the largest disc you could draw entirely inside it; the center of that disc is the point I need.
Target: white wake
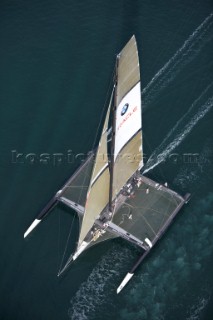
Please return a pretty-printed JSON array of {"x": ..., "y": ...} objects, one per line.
[
  {"x": 189, "y": 50},
  {"x": 96, "y": 288},
  {"x": 197, "y": 309},
  {"x": 160, "y": 154}
]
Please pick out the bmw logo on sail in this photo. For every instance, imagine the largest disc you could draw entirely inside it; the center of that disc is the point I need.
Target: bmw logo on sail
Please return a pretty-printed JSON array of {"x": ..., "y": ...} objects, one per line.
[{"x": 124, "y": 109}]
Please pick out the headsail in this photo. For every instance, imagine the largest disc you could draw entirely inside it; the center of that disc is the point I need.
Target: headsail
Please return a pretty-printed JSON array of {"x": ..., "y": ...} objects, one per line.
[
  {"x": 98, "y": 191},
  {"x": 128, "y": 135}
]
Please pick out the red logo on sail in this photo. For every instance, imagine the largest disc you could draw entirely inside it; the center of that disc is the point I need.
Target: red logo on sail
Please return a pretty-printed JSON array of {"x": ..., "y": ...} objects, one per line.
[{"x": 127, "y": 117}]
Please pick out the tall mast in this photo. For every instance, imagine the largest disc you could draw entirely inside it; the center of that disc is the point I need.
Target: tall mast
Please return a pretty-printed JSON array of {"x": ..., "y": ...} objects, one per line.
[{"x": 113, "y": 135}]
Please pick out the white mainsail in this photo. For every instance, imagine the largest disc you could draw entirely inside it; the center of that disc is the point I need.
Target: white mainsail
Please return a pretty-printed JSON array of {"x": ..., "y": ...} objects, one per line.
[{"x": 128, "y": 135}]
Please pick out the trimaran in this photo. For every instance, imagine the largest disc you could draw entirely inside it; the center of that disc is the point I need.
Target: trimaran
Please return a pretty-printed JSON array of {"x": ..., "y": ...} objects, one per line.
[{"x": 116, "y": 200}]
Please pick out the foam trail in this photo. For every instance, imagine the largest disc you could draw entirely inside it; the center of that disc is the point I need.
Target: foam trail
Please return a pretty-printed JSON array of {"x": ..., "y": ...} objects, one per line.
[
  {"x": 197, "y": 309},
  {"x": 152, "y": 163},
  {"x": 95, "y": 289},
  {"x": 175, "y": 128},
  {"x": 180, "y": 121},
  {"x": 191, "y": 47}
]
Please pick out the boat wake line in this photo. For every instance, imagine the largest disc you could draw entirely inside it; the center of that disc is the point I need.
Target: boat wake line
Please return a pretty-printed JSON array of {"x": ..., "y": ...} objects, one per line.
[
  {"x": 93, "y": 291},
  {"x": 189, "y": 50},
  {"x": 162, "y": 152},
  {"x": 196, "y": 310}
]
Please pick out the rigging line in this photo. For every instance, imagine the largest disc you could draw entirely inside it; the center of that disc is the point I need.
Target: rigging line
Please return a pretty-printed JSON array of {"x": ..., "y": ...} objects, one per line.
[
  {"x": 112, "y": 147},
  {"x": 69, "y": 260},
  {"x": 151, "y": 209},
  {"x": 59, "y": 238},
  {"x": 160, "y": 169},
  {"x": 76, "y": 187},
  {"x": 150, "y": 148},
  {"x": 86, "y": 174},
  {"x": 67, "y": 242},
  {"x": 105, "y": 104},
  {"x": 82, "y": 187},
  {"x": 149, "y": 225},
  {"x": 101, "y": 118},
  {"x": 165, "y": 216}
]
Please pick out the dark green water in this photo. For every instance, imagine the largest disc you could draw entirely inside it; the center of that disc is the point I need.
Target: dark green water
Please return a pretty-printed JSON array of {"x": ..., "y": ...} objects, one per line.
[{"x": 56, "y": 62}]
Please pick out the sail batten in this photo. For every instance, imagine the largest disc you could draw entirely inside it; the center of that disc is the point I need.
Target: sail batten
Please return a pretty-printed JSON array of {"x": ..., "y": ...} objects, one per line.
[{"x": 99, "y": 173}]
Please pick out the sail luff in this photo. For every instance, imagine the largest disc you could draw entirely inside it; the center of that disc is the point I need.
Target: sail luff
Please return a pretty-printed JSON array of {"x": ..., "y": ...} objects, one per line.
[
  {"x": 113, "y": 137},
  {"x": 101, "y": 160},
  {"x": 98, "y": 191}
]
